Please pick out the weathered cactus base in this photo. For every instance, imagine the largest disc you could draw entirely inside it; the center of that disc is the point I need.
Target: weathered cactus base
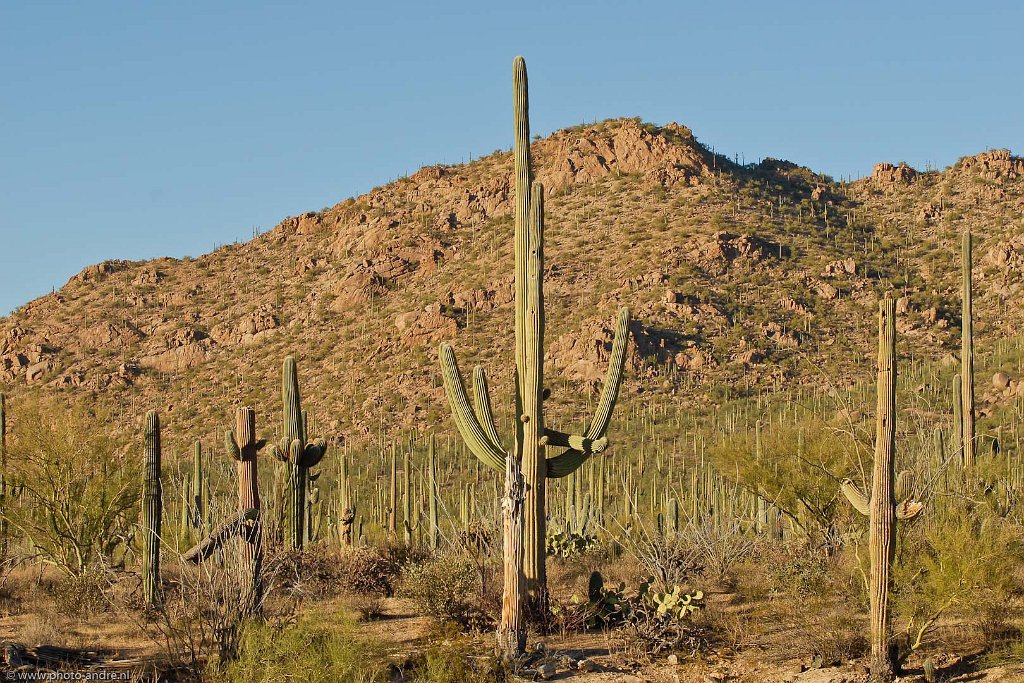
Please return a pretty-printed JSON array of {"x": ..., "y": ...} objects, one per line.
[
  {"x": 510, "y": 645},
  {"x": 882, "y": 669}
]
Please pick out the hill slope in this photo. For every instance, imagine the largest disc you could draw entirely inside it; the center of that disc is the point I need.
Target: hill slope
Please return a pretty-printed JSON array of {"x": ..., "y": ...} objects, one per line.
[{"x": 746, "y": 277}]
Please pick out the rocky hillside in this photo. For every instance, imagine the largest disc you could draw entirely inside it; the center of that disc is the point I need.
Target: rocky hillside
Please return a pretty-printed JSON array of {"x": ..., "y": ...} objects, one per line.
[{"x": 741, "y": 278}]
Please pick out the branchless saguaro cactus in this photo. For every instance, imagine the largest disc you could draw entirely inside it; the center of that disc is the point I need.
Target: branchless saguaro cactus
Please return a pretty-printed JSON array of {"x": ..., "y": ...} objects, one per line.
[
  {"x": 297, "y": 454},
  {"x": 3, "y": 475},
  {"x": 967, "y": 357},
  {"x": 199, "y": 489},
  {"x": 476, "y": 424},
  {"x": 393, "y": 495},
  {"x": 151, "y": 510},
  {"x": 432, "y": 494},
  {"x": 242, "y": 445},
  {"x": 346, "y": 508},
  {"x": 882, "y": 508}
]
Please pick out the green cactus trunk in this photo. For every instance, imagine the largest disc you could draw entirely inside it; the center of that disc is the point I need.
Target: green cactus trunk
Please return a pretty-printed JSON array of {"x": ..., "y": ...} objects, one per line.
[
  {"x": 393, "y": 494},
  {"x": 185, "y": 523},
  {"x": 347, "y": 512},
  {"x": 280, "y": 501},
  {"x": 883, "y": 501},
  {"x": 3, "y": 475},
  {"x": 199, "y": 493},
  {"x": 967, "y": 357},
  {"x": 151, "y": 511},
  {"x": 296, "y": 473},
  {"x": 432, "y": 494},
  {"x": 296, "y": 507},
  {"x": 529, "y": 326},
  {"x": 958, "y": 420},
  {"x": 407, "y": 521},
  {"x": 314, "y": 514}
]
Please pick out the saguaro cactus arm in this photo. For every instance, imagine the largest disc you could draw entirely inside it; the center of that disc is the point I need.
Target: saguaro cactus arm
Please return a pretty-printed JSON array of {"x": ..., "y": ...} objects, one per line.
[
  {"x": 465, "y": 419},
  {"x": 553, "y": 437},
  {"x": 233, "y": 450},
  {"x": 313, "y": 453},
  {"x": 613, "y": 381},
  {"x": 570, "y": 460},
  {"x": 482, "y": 403},
  {"x": 857, "y": 499},
  {"x": 906, "y": 509}
]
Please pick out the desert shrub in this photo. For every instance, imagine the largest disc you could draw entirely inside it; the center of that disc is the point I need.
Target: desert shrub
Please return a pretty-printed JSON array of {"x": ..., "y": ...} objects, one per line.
[
  {"x": 452, "y": 659},
  {"x": 803, "y": 487},
  {"x": 365, "y": 571},
  {"x": 1011, "y": 652},
  {"x": 479, "y": 539},
  {"x": 670, "y": 557},
  {"x": 959, "y": 560},
  {"x": 797, "y": 569},
  {"x": 402, "y": 554},
  {"x": 37, "y": 630},
  {"x": 989, "y": 616},
  {"x": 313, "y": 572},
  {"x": 442, "y": 587},
  {"x": 80, "y": 488},
  {"x": 568, "y": 575},
  {"x": 82, "y": 595},
  {"x": 720, "y": 548},
  {"x": 831, "y": 636},
  {"x": 370, "y": 606},
  {"x": 273, "y": 654},
  {"x": 567, "y": 617},
  {"x": 205, "y": 608},
  {"x": 654, "y": 621}
]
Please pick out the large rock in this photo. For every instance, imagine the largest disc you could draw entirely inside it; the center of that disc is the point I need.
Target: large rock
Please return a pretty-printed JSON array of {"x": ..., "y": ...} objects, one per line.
[
  {"x": 177, "y": 359},
  {"x": 996, "y": 165},
  {"x": 723, "y": 250},
  {"x": 250, "y": 329},
  {"x": 433, "y": 324},
  {"x": 886, "y": 174}
]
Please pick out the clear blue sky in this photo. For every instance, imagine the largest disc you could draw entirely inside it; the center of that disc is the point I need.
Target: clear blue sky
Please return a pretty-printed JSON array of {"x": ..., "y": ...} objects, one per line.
[{"x": 142, "y": 129}]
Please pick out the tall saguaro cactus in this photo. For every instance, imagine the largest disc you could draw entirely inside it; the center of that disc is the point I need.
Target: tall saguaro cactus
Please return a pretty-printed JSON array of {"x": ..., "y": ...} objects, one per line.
[
  {"x": 432, "y": 493},
  {"x": 967, "y": 356},
  {"x": 298, "y": 454},
  {"x": 199, "y": 489},
  {"x": 242, "y": 445},
  {"x": 882, "y": 508},
  {"x": 393, "y": 494},
  {"x": 151, "y": 511},
  {"x": 346, "y": 508},
  {"x": 532, "y": 437},
  {"x": 3, "y": 475}
]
